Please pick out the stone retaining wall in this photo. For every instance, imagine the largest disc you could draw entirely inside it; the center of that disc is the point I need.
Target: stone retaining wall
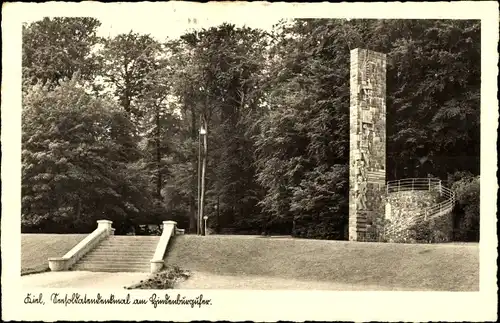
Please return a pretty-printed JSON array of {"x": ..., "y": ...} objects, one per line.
[{"x": 410, "y": 205}]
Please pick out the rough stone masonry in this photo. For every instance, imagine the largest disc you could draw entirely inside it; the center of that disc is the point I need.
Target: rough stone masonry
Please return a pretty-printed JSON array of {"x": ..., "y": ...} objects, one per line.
[{"x": 367, "y": 156}]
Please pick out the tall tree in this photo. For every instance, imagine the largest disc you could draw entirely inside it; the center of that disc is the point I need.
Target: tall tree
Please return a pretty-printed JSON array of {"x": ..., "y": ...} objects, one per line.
[
  {"x": 80, "y": 162},
  {"x": 218, "y": 83},
  {"x": 275, "y": 106},
  {"x": 433, "y": 112},
  {"x": 159, "y": 122},
  {"x": 56, "y": 48},
  {"x": 126, "y": 60},
  {"x": 305, "y": 131}
]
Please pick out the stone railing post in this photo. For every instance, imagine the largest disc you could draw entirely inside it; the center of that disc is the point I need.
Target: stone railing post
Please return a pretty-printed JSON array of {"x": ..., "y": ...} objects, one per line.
[
  {"x": 168, "y": 231},
  {"x": 105, "y": 224},
  {"x": 168, "y": 224}
]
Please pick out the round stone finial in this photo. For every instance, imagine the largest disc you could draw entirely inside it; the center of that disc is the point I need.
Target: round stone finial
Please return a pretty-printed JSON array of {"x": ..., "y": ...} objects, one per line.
[
  {"x": 104, "y": 224},
  {"x": 169, "y": 222}
]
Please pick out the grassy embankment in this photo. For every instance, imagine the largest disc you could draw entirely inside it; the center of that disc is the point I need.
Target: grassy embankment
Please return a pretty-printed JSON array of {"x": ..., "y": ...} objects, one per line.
[
  {"x": 37, "y": 248},
  {"x": 450, "y": 267}
]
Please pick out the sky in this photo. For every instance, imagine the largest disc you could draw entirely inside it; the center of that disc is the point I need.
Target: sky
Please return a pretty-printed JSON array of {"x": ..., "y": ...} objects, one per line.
[
  {"x": 161, "y": 30},
  {"x": 174, "y": 18},
  {"x": 162, "y": 20},
  {"x": 165, "y": 25}
]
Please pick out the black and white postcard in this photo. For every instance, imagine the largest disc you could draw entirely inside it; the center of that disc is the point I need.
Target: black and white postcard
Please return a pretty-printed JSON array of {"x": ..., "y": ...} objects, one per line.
[{"x": 243, "y": 161}]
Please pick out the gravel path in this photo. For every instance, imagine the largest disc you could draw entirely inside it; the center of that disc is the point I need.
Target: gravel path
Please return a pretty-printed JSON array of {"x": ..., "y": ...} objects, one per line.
[
  {"x": 201, "y": 280},
  {"x": 82, "y": 279}
]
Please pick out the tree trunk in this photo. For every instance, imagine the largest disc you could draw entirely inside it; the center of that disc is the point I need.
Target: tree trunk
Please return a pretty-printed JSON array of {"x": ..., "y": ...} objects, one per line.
[
  {"x": 198, "y": 225},
  {"x": 158, "y": 155},
  {"x": 192, "y": 218},
  {"x": 203, "y": 170},
  {"x": 192, "y": 201}
]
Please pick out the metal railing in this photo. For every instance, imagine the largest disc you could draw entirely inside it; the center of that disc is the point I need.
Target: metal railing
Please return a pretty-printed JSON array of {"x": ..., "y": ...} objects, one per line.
[{"x": 422, "y": 184}]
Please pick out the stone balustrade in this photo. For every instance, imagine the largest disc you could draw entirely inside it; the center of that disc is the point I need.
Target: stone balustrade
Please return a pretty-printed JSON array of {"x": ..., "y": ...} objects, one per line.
[
  {"x": 65, "y": 262},
  {"x": 169, "y": 230}
]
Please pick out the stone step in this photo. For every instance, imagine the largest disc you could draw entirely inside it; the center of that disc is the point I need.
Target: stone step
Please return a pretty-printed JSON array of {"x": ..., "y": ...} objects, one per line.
[
  {"x": 131, "y": 262},
  {"x": 128, "y": 247},
  {"x": 115, "y": 257},
  {"x": 131, "y": 243},
  {"x": 113, "y": 268},
  {"x": 92, "y": 256},
  {"x": 115, "y": 263},
  {"x": 128, "y": 243},
  {"x": 89, "y": 267},
  {"x": 123, "y": 262},
  {"x": 114, "y": 238},
  {"x": 133, "y": 237},
  {"x": 134, "y": 241},
  {"x": 120, "y": 254}
]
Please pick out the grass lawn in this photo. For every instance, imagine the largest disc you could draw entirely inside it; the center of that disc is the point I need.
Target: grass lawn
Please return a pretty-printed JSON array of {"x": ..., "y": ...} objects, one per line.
[
  {"x": 445, "y": 267},
  {"x": 36, "y": 249}
]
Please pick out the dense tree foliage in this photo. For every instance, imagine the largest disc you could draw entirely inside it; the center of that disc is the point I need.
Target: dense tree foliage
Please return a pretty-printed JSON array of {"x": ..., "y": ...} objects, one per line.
[
  {"x": 126, "y": 60},
  {"x": 122, "y": 139},
  {"x": 217, "y": 86},
  {"x": 433, "y": 110},
  {"x": 433, "y": 107},
  {"x": 80, "y": 162},
  {"x": 305, "y": 132},
  {"x": 56, "y": 48}
]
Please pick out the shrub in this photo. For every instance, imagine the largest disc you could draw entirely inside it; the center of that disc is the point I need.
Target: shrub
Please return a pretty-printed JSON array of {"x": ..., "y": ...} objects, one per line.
[
  {"x": 466, "y": 221},
  {"x": 320, "y": 205},
  {"x": 165, "y": 279}
]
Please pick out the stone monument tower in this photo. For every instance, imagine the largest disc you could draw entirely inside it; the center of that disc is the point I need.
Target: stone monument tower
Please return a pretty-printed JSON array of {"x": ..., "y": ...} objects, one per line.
[{"x": 367, "y": 156}]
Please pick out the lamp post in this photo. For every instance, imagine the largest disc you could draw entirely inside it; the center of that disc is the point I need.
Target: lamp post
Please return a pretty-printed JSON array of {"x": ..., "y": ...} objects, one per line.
[
  {"x": 205, "y": 226},
  {"x": 201, "y": 176},
  {"x": 199, "y": 185}
]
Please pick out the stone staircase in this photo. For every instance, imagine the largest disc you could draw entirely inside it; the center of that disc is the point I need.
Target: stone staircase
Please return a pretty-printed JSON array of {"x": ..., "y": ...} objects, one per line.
[
  {"x": 422, "y": 192},
  {"x": 120, "y": 254}
]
